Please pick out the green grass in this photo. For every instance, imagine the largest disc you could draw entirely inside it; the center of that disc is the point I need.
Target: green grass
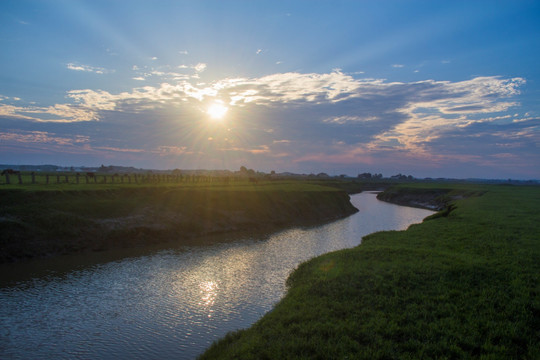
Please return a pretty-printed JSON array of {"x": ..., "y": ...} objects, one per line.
[
  {"x": 460, "y": 286},
  {"x": 38, "y": 221}
]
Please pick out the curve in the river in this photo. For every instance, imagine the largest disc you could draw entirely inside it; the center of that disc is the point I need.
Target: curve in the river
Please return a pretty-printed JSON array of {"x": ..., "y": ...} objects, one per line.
[{"x": 173, "y": 303}]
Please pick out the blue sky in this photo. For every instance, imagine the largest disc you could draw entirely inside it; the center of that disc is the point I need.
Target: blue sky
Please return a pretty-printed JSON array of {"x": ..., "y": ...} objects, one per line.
[{"x": 428, "y": 88}]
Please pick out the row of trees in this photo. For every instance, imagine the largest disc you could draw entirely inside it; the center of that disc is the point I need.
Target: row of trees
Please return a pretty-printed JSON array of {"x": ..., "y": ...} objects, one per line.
[
  {"x": 400, "y": 176},
  {"x": 367, "y": 175}
]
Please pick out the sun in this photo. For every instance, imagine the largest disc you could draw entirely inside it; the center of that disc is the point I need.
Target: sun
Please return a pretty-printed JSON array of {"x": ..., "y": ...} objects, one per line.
[{"x": 217, "y": 111}]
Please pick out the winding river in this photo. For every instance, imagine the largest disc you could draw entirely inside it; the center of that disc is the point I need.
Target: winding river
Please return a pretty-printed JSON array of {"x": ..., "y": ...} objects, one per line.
[{"x": 171, "y": 303}]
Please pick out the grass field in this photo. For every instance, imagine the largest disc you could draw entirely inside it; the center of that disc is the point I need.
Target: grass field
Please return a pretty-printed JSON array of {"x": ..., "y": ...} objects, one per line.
[
  {"x": 46, "y": 220},
  {"x": 461, "y": 285}
]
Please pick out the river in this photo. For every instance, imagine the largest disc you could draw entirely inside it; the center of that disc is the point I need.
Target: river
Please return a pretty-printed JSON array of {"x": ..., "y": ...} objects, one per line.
[{"x": 172, "y": 303}]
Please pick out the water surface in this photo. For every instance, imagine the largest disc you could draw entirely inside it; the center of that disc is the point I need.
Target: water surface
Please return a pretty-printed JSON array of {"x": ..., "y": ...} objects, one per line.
[{"x": 172, "y": 303}]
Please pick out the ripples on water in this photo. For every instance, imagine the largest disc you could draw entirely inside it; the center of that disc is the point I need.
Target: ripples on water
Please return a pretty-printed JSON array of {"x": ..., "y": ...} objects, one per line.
[{"x": 174, "y": 303}]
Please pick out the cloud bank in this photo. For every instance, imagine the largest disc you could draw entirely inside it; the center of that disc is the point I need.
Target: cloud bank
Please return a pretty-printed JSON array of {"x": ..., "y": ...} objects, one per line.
[{"x": 302, "y": 119}]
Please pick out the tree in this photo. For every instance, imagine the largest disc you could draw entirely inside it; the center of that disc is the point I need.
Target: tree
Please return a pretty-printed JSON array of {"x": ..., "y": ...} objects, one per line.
[{"x": 364, "y": 176}]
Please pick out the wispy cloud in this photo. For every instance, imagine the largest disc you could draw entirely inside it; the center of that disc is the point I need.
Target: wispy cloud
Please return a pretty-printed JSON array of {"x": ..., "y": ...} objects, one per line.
[
  {"x": 59, "y": 113},
  {"x": 44, "y": 137},
  {"x": 118, "y": 149},
  {"x": 200, "y": 67},
  {"x": 440, "y": 106},
  {"x": 262, "y": 149},
  {"x": 167, "y": 73},
  {"x": 291, "y": 87},
  {"x": 172, "y": 150},
  {"x": 87, "y": 68},
  {"x": 49, "y": 141},
  {"x": 348, "y": 118}
]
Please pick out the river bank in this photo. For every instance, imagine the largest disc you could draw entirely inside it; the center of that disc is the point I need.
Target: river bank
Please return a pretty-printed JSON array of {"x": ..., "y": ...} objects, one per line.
[
  {"x": 463, "y": 284},
  {"x": 431, "y": 197},
  {"x": 172, "y": 302},
  {"x": 37, "y": 223}
]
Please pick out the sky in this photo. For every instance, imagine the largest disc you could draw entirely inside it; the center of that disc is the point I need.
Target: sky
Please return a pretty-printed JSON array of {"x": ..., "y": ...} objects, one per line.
[{"x": 422, "y": 88}]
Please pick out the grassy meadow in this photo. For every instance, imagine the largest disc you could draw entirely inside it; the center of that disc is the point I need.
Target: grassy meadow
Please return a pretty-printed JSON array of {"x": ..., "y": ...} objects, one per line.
[
  {"x": 463, "y": 284},
  {"x": 39, "y": 220}
]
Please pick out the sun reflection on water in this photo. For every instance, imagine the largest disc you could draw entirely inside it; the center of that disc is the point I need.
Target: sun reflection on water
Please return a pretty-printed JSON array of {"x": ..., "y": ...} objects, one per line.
[
  {"x": 174, "y": 303},
  {"x": 209, "y": 292}
]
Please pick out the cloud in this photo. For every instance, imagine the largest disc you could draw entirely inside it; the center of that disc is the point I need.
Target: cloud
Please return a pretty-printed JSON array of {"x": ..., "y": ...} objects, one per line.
[
  {"x": 262, "y": 149},
  {"x": 172, "y": 150},
  {"x": 96, "y": 100},
  {"x": 496, "y": 141},
  {"x": 345, "y": 119},
  {"x": 140, "y": 98},
  {"x": 413, "y": 113},
  {"x": 14, "y": 98},
  {"x": 87, "y": 68},
  {"x": 258, "y": 51},
  {"x": 291, "y": 87},
  {"x": 52, "y": 142},
  {"x": 117, "y": 149},
  {"x": 330, "y": 117},
  {"x": 43, "y": 137},
  {"x": 397, "y": 66},
  {"x": 437, "y": 107},
  {"x": 10, "y": 111},
  {"x": 200, "y": 67},
  {"x": 171, "y": 75},
  {"x": 164, "y": 73},
  {"x": 59, "y": 113}
]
